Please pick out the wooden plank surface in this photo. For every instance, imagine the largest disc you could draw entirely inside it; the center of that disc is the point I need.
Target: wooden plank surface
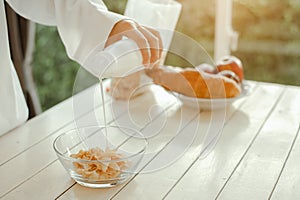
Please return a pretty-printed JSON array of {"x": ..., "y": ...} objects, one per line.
[
  {"x": 155, "y": 144},
  {"x": 256, "y": 156},
  {"x": 37, "y": 137},
  {"x": 257, "y": 173},
  {"x": 146, "y": 184},
  {"x": 288, "y": 183},
  {"x": 12, "y": 183},
  {"x": 41, "y": 155},
  {"x": 207, "y": 176}
]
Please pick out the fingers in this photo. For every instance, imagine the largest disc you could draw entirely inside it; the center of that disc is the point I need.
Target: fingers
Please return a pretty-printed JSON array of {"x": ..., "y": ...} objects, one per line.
[
  {"x": 153, "y": 44},
  {"x": 119, "y": 28},
  {"x": 148, "y": 40},
  {"x": 143, "y": 44},
  {"x": 157, "y": 35}
]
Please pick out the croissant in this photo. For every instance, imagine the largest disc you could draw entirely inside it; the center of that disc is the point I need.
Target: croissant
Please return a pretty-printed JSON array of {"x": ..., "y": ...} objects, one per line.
[
  {"x": 206, "y": 85},
  {"x": 196, "y": 83}
]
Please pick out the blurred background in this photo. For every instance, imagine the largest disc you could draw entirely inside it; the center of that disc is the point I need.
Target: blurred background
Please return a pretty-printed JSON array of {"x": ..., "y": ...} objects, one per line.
[{"x": 269, "y": 44}]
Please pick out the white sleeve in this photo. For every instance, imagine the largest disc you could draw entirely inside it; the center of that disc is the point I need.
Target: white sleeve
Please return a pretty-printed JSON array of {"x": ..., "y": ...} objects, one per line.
[{"x": 82, "y": 24}]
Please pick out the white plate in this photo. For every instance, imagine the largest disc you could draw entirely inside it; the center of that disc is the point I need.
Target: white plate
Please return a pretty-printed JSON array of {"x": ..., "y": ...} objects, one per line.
[{"x": 213, "y": 104}]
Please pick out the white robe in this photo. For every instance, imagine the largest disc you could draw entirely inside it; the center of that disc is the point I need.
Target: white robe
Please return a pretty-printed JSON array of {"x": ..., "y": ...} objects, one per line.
[{"x": 82, "y": 25}]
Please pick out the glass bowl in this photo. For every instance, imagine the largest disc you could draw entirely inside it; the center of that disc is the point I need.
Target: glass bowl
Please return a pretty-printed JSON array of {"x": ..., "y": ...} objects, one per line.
[{"x": 100, "y": 157}]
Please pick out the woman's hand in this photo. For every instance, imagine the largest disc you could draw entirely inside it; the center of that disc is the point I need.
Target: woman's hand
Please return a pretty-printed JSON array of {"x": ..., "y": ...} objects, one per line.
[{"x": 148, "y": 40}]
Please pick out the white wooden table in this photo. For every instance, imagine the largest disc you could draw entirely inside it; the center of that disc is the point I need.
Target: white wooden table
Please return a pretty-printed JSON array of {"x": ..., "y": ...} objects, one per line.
[{"x": 255, "y": 156}]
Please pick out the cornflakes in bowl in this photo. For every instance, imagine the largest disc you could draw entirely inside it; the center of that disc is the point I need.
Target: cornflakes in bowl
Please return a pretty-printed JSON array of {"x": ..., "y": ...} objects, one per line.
[{"x": 96, "y": 158}]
